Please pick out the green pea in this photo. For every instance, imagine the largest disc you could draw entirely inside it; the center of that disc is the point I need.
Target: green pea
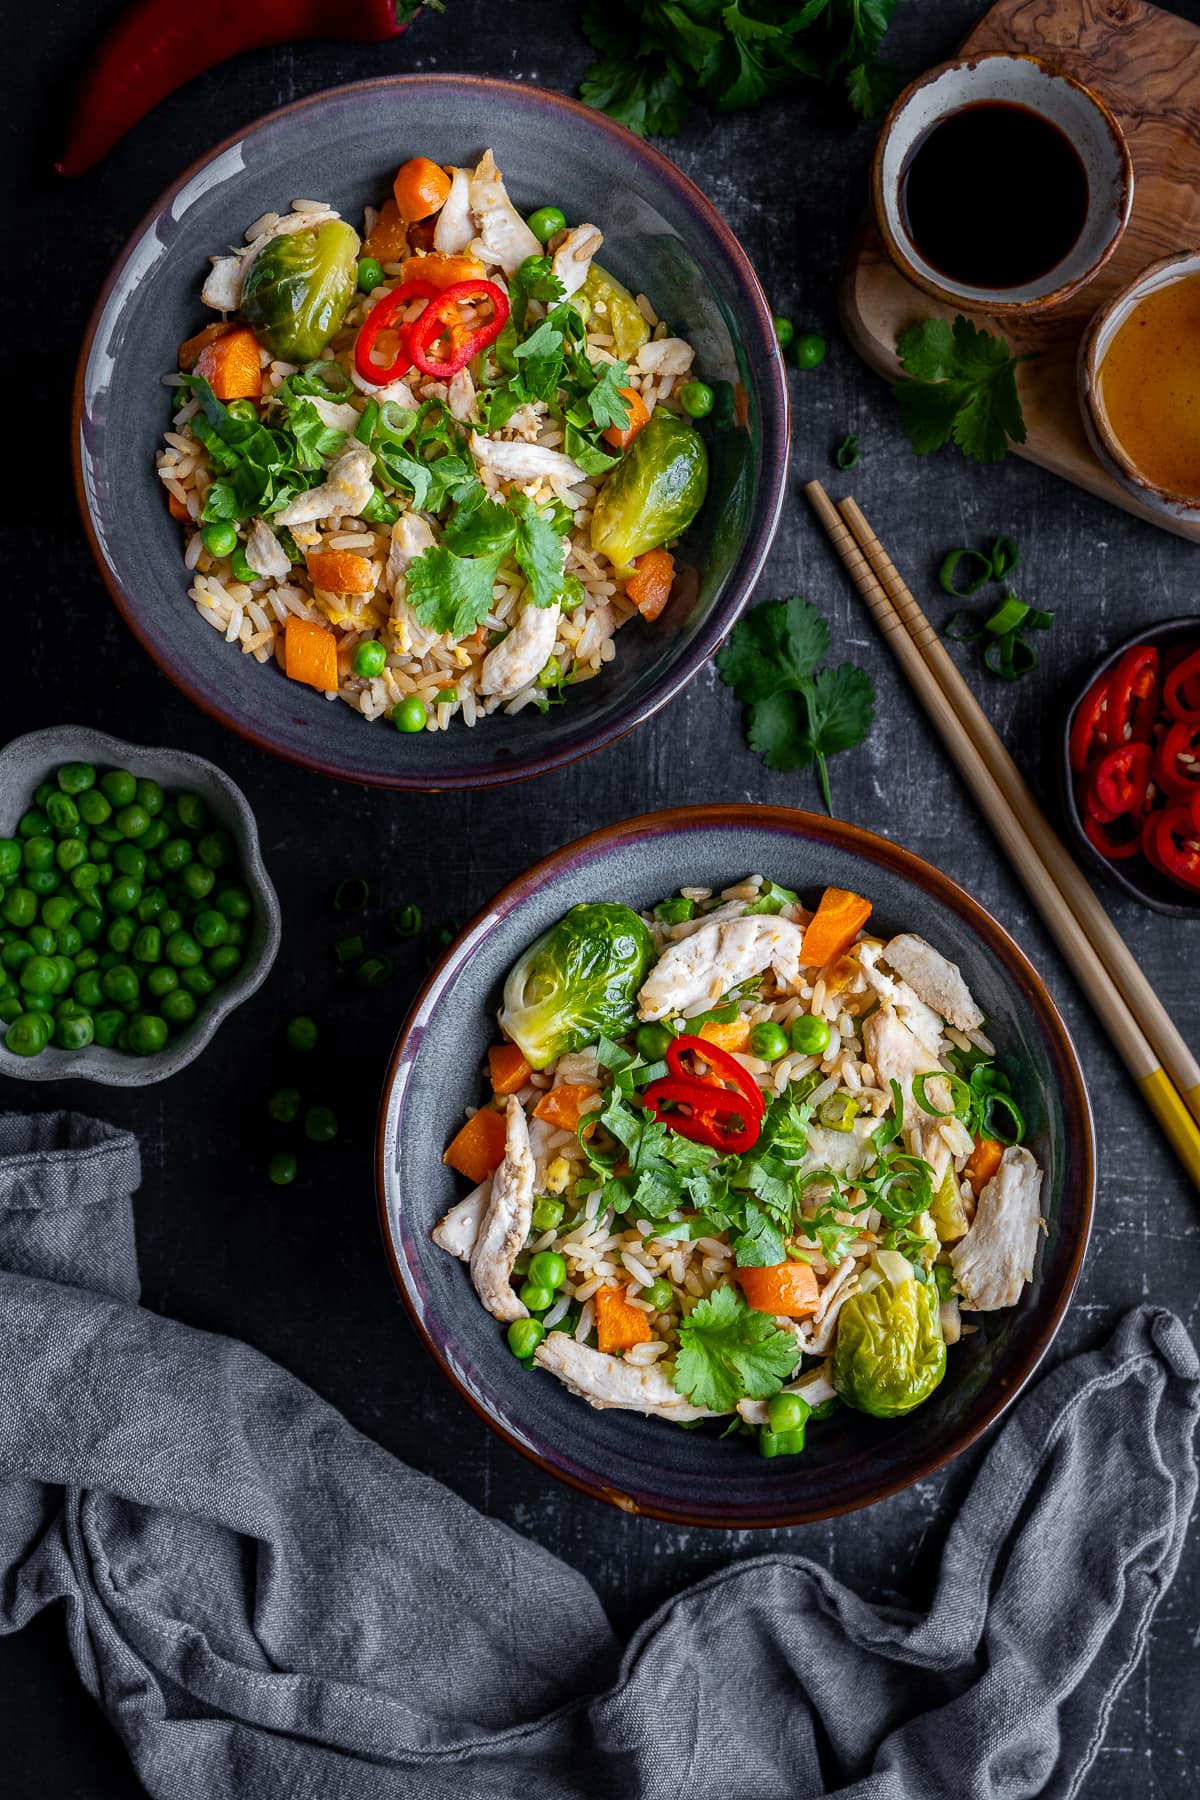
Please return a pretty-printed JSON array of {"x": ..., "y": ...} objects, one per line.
[
  {"x": 131, "y": 820},
  {"x": 39, "y": 975},
  {"x": 20, "y": 906},
  {"x": 62, "y": 812},
  {"x": 147, "y": 1034},
  {"x": 178, "y": 1008},
  {"x": 104, "y": 874},
  {"x": 284, "y": 1104},
  {"x": 169, "y": 921},
  {"x": 370, "y": 274},
  {"x": 653, "y": 1041},
  {"x": 535, "y": 1297},
  {"x": 94, "y": 807},
  {"x": 198, "y": 981},
  {"x": 107, "y": 835},
  {"x": 75, "y": 1032},
  {"x": 156, "y": 833},
  {"x": 152, "y": 905},
  {"x": 547, "y": 1215},
  {"x": 66, "y": 974},
  {"x": 220, "y": 538},
  {"x": 370, "y": 659},
  {"x": 108, "y": 1025},
  {"x": 696, "y": 399},
  {"x": 84, "y": 879},
  {"x": 301, "y": 1033},
  {"x": 162, "y": 979},
  {"x": 130, "y": 860},
  {"x": 70, "y": 855},
  {"x": 121, "y": 985},
  {"x": 76, "y": 777},
  {"x": 547, "y": 1269},
  {"x": 282, "y": 1168},
  {"x": 675, "y": 911},
  {"x": 524, "y": 1336},
  {"x": 808, "y": 350},
  {"x": 150, "y": 796},
  {"x": 67, "y": 941},
  {"x": 768, "y": 1040},
  {"x": 119, "y": 786},
  {"x": 210, "y": 929},
  {"x": 546, "y": 221},
  {"x": 28, "y": 1034},
  {"x": 120, "y": 935},
  {"x": 780, "y": 1443},
  {"x": 10, "y": 858},
  {"x": 89, "y": 922},
  {"x": 58, "y": 911},
  {"x": 33, "y": 823},
  {"x": 42, "y": 939},
  {"x": 215, "y": 849},
  {"x": 235, "y": 903},
  {"x": 183, "y": 950},
  {"x": 786, "y": 1412},
  {"x": 87, "y": 958},
  {"x": 154, "y": 869},
  {"x": 240, "y": 569},
  {"x": 15, "y": 954},
  {"x": 124, "y": 894},
  {"x": 196, "y": 881},
  {"x": 320, "y": 1124},
  {"x": 176, "y": 854},
  {"x": 10, "y": 1009},
  {"x": 785, "y": 331},
  {"x": 108, "y": 960},
  {"x": 42, "y": 792},
  {"x": 809, "y": 1035},
  {"x": 411, "y": 714},
  {"x": 89, "y": 989},
  {"x": 660, "y": 1295},
  {"x": 39, "y": 853},
  {"x": 39, "y": 1002},
  {"x": 147, "y": 945},
  {"x": 237, "y": 934},
  {"x": 191, "y": 811}
]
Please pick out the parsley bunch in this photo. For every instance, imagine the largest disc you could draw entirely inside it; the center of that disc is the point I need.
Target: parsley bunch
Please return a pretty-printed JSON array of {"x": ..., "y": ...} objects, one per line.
[
  {"x": 962, "y": 386},
  {"x": 799, "y": 714},
  {"x": 657, "y": 60}
]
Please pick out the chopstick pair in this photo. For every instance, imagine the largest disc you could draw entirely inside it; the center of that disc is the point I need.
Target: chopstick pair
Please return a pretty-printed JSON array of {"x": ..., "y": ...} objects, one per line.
[{"x": 1135, "y": 1019}]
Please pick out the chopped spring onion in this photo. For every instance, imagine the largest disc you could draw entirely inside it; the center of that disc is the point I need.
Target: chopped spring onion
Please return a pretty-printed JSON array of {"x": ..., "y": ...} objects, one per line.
[
  {"x": 847, "y": 453},
  {"x": 960, "y": 1095},
  {"x": 349, "y": 949},
  {"x": 1010, "y": 657},
  {"x": 838, "y": 1112},
  {"x": 374, "y": 972},
  {"x": 351, "y": 895},
  {"x": 405, "y": 921},
  {"x": 1004, "y": 557},
  {"x": 962, "y": 627},
  {"x": 994, "y": 1128},
  {"x": 982, "y": 572},
  {"x": 1011, "y": 613}
]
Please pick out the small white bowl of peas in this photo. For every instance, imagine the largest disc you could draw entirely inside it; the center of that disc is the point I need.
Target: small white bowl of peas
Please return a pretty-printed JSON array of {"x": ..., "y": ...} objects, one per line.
[{"x": 135, "y": 910}]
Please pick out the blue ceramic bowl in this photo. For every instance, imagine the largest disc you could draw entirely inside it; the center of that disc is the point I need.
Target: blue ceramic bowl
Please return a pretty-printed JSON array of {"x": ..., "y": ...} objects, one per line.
[
  {"x": 661, "y": 236},
  {"x": 645, "y": 1465}
]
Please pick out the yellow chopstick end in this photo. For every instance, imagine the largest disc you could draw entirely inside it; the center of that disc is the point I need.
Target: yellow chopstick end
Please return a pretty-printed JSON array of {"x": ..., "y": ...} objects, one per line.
[{"x": 1162, "y": 1097}]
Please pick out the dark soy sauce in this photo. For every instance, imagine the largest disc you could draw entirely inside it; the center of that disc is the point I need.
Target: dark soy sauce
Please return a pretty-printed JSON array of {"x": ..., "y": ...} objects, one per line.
[{"x": 994, "y": 195}]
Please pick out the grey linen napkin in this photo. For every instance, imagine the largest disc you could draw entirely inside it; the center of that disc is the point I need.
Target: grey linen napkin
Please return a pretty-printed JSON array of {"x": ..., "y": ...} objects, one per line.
[{"x": 268, "y": 1606}]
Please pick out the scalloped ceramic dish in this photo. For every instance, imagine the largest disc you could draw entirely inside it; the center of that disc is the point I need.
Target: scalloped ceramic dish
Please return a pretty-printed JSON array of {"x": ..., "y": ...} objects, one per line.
[
  {"x": 661, "y": 235},
  {"x": 28, "y": 761},
  {"x": 646, "y": 1465}
]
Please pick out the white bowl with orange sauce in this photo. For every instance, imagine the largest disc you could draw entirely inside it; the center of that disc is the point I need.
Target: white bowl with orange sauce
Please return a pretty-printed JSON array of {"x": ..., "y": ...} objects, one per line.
[{"x": 1139, "y": 385}]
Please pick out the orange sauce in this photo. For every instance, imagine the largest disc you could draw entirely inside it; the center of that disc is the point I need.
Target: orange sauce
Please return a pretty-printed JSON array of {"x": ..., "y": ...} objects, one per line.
[{"x": 1150, "y": 386}]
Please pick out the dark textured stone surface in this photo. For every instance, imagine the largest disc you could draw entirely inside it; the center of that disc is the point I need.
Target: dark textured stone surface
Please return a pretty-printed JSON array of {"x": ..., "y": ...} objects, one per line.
[{"x": 299, "y": 1273}]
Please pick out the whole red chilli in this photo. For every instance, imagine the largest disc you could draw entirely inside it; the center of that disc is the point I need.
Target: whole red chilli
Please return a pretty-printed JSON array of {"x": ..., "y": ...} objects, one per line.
[{"x": 158, "y": 45}]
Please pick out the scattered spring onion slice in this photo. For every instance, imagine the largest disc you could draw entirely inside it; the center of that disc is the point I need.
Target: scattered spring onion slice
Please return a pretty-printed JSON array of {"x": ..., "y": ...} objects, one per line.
[
  {"x": 351, "y": 895},
  {"x": 349, "y": 949},
  {"x": 960, "y": 1095},
  {"x": 847, "y": 453},
  {"x": 374, "y": 972},
  {"x": 962, "y": 627},
  {"x": 991, "y": 1125},
  {"x": 405, "y": 921},
  {"x": 973, "y": 582},
  {"x": 1007, "y": 616},
  {"x": 1005, "y": 557},
  {"x": 1010, "y": 657}
]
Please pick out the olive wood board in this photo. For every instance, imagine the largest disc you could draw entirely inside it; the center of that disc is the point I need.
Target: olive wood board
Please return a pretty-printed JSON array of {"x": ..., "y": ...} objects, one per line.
[{"x": 1146, "y": 64}]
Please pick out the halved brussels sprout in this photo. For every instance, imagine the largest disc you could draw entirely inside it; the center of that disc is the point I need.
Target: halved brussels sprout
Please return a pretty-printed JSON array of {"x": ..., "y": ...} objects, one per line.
[
  {"x": 889, "y": 1353},
  {"x": 299, "y": 288},
  {"x": 614, "y": 309},
  {"x": 654, "y": 492},
  {"x": 579, "y": 980}
]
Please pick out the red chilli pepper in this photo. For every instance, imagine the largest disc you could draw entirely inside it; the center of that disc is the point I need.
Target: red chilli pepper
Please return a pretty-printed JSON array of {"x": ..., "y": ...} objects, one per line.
[
  {"x": 442, "y": 319},
  {"x": 1089, "y": 737},
  {"x": 158, "y": 45},
  {"x": 701, "y": 1107},
  {"x": 1176, "y": 848},
  {"x": 1181, "y": 689},
  {"x": 1116, "y": 839},
  {"x": 722, "y": 1067},
  {"x": 1119, "y": 781},
  {"x": 1177, "y": 760},
  {"x": 1133, "y": 696},
  {"x": 382, "y": 317}
]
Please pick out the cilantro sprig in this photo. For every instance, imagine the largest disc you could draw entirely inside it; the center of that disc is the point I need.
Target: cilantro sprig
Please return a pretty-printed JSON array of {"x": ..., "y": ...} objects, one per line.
[
  {"x": 450, "y": 586},
  {"x": 657, "y": 61},
  {"x": 799, "y": 714},
  {"x": 728, "y": 1350},
  {"x": 961, "y": 387}
]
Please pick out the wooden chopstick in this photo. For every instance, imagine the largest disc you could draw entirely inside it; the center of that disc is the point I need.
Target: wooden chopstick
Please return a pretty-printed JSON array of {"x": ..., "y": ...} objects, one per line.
[
  {"x": 1008, "y": 818},
  {"x": 1143, "y": 1002}
]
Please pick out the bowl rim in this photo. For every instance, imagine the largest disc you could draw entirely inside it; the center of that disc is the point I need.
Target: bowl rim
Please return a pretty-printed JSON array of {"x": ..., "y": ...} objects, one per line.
[
  {"x": 1090, "y": 363},
  {"x": 1114, "y": 872},
  {"x": 765, "y": 360},
  {"x": 988, "y": 300},
  {"x": 135, "y": 1072},
  {"x": 1079, "y": 1188}
]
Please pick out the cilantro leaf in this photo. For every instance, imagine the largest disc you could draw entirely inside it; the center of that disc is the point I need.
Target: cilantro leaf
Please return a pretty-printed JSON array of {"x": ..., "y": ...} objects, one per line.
[
  {"x": 606, "y": 403},
  {"x": 727, "y": 1350},
  {"x": 452, "y": 593},
  {"x": 962, "y": 387},
  {"x": 540, "y": 549},
  {"x": 533, "y": 280},
  {"x": 480, "y": 526},
  {"x": 760, "y": 1245},
  {"x": 799, "y": 715}
]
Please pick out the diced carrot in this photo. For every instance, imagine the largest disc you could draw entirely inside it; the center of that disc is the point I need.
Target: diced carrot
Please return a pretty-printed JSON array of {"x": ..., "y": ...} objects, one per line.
[
  {"x": 231, "y": 366},
  {"x": 507, "y": 1068},
  {"x": 983, "y": 1162},
  {"x": 340, "y": 571},
  {"x": 477, "y": 1148},
  {"x": 789, "y": 1289},
  {"x": 176, "y": 508},
  {"x": 191, "y": 347},
  {"x": 441, "y": 271},
  {"x": 638, "y": 416},
  {"x": 420, "y": 188},
  {"x": 310, "y": 654},
  {"x": 833, "y": 927},
  {"x": 619, "y": 1326},
  {"x": 649, "y": 587},
  {"x": 732, "y": 1037},
  {"x": 387, "y": 240},
  {"x": 563, "y": 1105}
]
